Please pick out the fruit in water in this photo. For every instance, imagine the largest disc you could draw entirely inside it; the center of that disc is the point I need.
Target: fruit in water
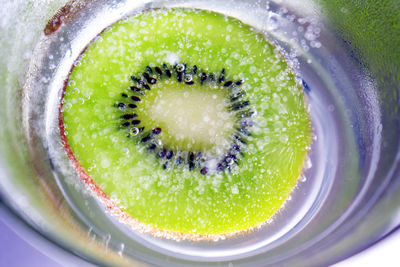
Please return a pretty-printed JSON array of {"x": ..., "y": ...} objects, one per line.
[{"x": 191, "y": 121}]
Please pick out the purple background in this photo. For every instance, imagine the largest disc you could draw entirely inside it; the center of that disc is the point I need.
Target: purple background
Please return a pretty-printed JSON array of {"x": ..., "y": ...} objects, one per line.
[
  {"x": 16, "y": 249},
  {"x": 16, "y": 252}
]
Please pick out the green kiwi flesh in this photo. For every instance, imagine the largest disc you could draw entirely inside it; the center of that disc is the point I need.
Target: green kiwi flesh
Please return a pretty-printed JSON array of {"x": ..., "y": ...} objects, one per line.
[{"x": 181, "y": 199}]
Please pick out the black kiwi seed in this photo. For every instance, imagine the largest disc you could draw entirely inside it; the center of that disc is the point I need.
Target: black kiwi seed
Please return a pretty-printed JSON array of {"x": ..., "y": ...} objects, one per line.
[
  {"x": 191, "y": 166},
  {"x": 236, "y": 148},
  {"x": 128, "y": 116},
  {"x": 203, "y": 77},
  {"x": 189, "y": 79},
  {"x": 246, "y": 123},
  {"x": 167, "y": 71},
  {"x": 136, "y": 122},
  {"x": 227, "y": 84},
  {"x": 158, "y": 70},
  {"x": 146, "y": 138},
  {"x": 162, "y": 153},
  {"x": 221, "y": 166},
  {"x": 152, "y": 147},
  {"x": 230, "y": 160},
  {"x": 157, "y": 130},
  {"x": 143, "y": 83},
  {"x": 132, "y": 106},
  {"x": 135, "y": 89},
  {"x": 169, "y": 154},
  {"x": 149, "y": 79},
  {"x": 135, "y": 98},
  {"x": 222, "y": 76},
  {"x": 237, "y": 96},
  {"x": 245, "y": 131},
  {"x": 179, "y": 77},
  {"x": 239, "y": 105},
  {"x": 191, "y": 159},
  {"x": 165, "y": 165},
  {"x": 146, "y": 75},
  {"x": 178, "y": 160},
  {"x": 180, "y": 72},
  {"x": 240, "y": 140},
  {"x": 204, "y": 171},
  {"x": 244, "y": 113}
]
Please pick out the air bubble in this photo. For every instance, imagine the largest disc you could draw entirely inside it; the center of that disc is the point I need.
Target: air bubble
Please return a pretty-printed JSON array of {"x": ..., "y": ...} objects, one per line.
[
  {"x": 315, "y": 44},
  {"x": 188, "y": 78},
  {"x": 157, "y": 142},
  {"x": 180, "y": 67},
  {"x": 234, "y": 189},
  {"x": 91, "y": 167},
  {"x": 134, "y": 131},
  {"x": 230, "y": 161},
  {"x": 308, "y": 164},
  {"x": 121, "y": 249},
  {"x": 107, "y": 240}
]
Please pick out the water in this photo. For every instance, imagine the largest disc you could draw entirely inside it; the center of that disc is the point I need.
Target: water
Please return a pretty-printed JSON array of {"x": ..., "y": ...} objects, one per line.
[{"x": 340, "y": 98}]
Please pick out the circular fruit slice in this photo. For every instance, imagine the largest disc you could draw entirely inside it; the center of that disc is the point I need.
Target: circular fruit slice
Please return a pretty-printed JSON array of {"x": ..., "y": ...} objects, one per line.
[{"x": 189, "y": 120}]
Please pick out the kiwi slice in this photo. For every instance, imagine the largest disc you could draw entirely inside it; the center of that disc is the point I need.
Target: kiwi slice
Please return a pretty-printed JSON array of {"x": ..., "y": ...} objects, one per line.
[{"x": 190, "y": 121}]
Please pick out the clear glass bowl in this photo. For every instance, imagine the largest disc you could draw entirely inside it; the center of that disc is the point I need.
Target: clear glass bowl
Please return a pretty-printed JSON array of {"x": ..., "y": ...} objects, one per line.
[{"x": 349, "y": 194}]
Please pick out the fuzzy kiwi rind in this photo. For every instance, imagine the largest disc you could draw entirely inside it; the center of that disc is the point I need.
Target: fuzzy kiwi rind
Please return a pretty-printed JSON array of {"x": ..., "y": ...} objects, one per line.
[{"x": 182, "y": 201}]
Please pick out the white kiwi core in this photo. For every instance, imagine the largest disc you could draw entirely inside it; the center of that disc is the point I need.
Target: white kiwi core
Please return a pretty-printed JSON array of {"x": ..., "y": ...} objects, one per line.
[{"x": 192, "y": 117}]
